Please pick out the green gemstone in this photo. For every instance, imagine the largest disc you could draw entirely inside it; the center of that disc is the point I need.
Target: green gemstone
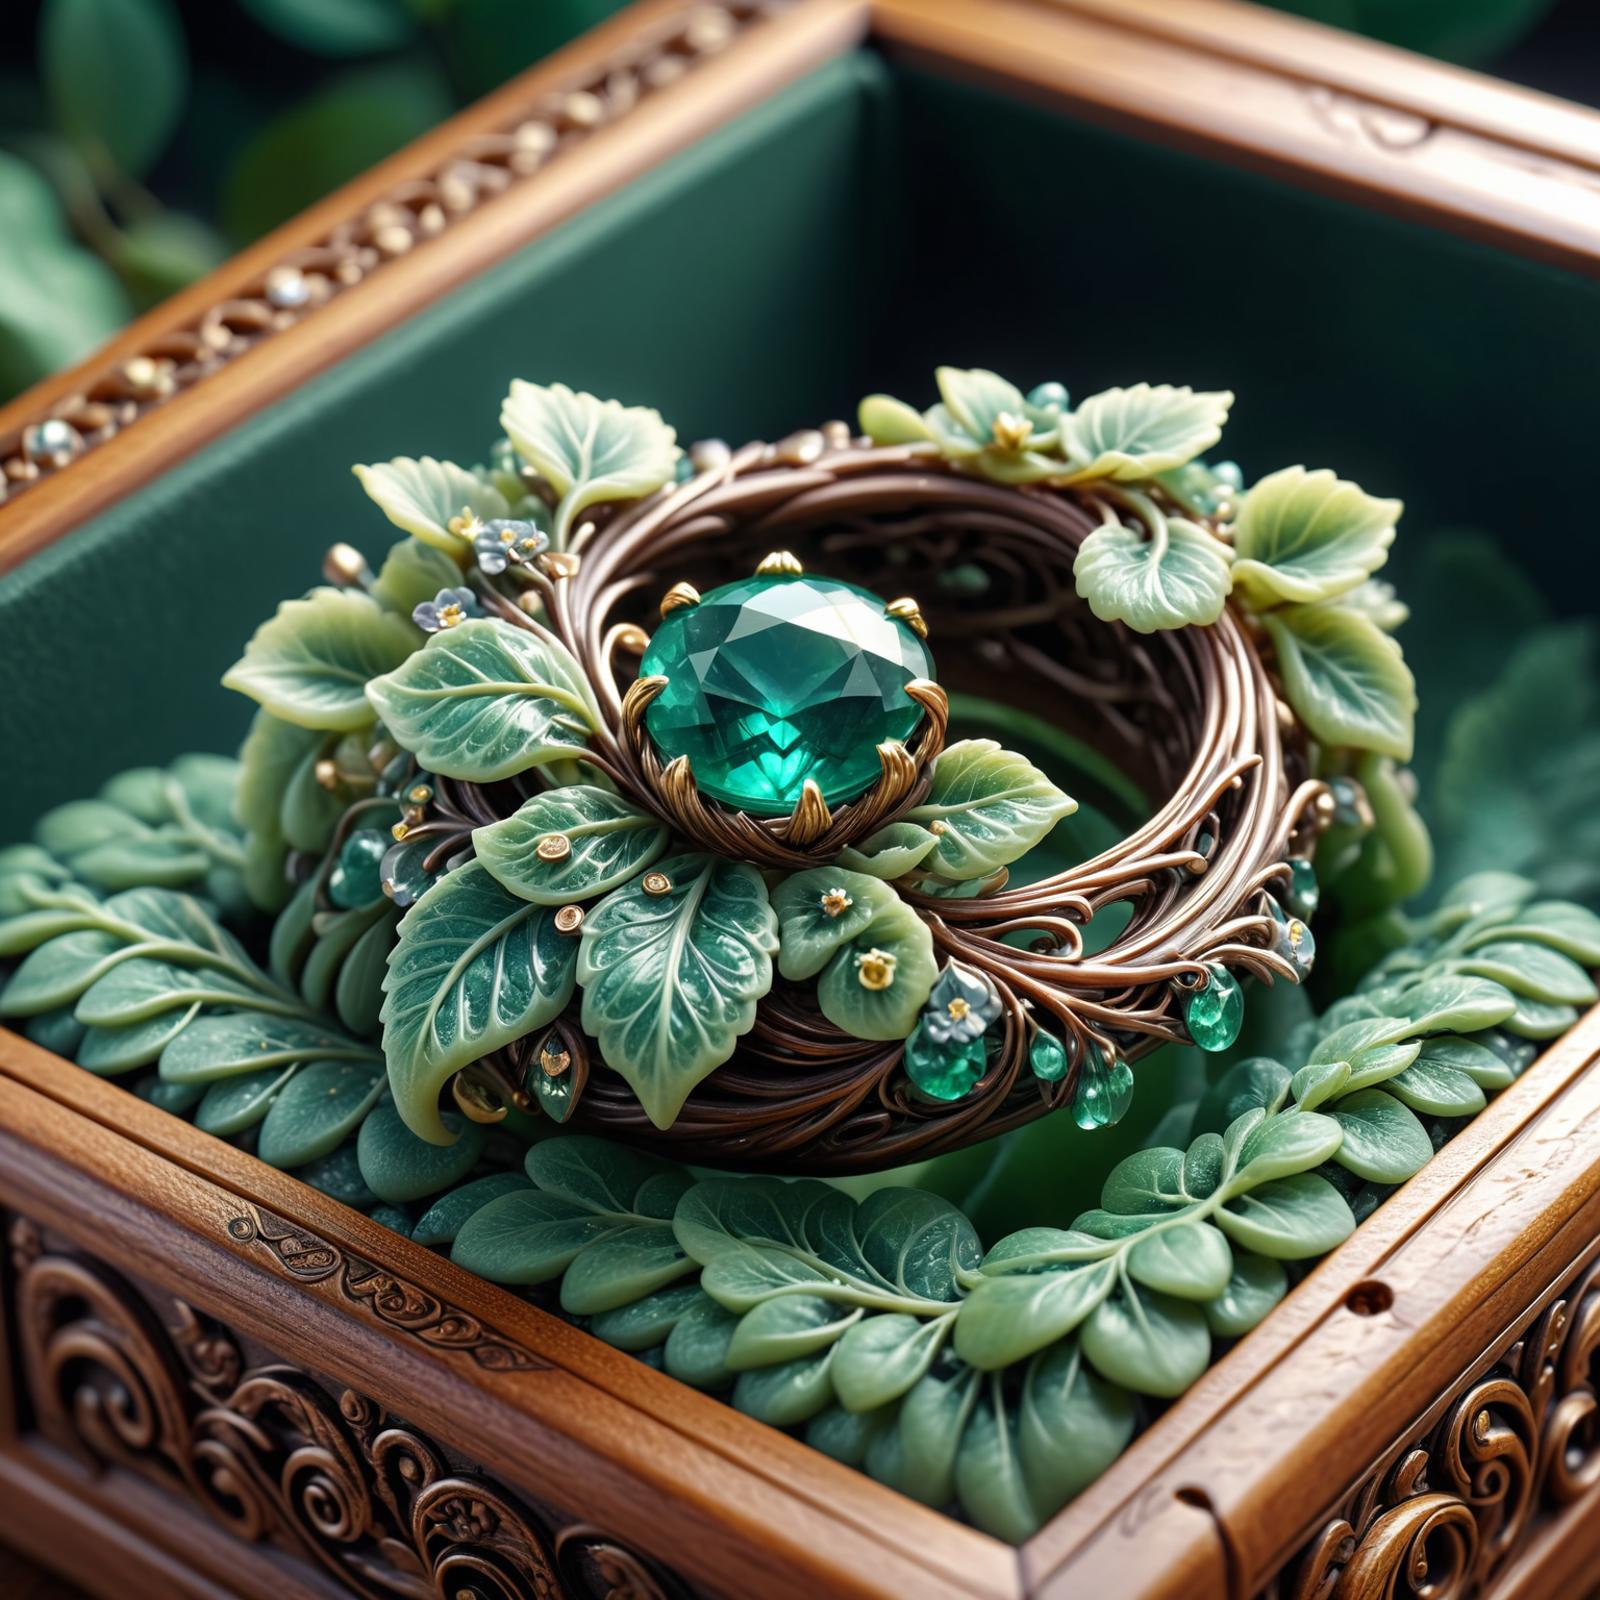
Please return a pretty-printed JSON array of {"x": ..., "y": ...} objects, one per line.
[
  {"x": 1304, "y": 890},
  {"x": 1215, "y": 1013},
  {"x": 774, "y": 680},
  {"x": 1294, "y": 940},
  {"x": 355, "y": 879},
  {"x": 944, "y": 1071},
  {"x": 1048, "y": 1057},
  {"x": 1104, "y": 1093}
]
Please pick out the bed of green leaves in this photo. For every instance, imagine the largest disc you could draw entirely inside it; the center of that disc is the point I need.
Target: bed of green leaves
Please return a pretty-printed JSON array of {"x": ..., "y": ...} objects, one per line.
[{"x": 999, "y": 1381}]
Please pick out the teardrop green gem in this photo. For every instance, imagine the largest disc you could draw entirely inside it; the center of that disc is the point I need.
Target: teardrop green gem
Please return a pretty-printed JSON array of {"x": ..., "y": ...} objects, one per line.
[
  {"x": 943, "y": 1071},
  {"x": 1048, "y": 1058},
  {"x": 1304, "y": 890},
  {"x": 1294, "y": 941},
  {"x": 1104, "y": 1093},
  {"x": 1215, "y": 1013}
]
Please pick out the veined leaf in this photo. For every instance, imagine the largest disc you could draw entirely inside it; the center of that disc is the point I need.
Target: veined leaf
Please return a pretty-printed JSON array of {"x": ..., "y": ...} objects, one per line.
[
  {"x": 1308, "y": 536},
  {"x": 1177, "y": 578},
  {"x": 1347, "y": 681},
  {"x": 398, "y": 1166},
  {"x": 310, "y": 663},
  {"x": 421, "y": 497},
  {"x": 486, "y": 700},
  {"x": 609, "y": 841},
  {"x": 671, "y": 981},
  {"x": 820, "y": 911},
  {"x": 474, "y": 968},
  {"x": 1128, "y": 434},
  {"x": 1070, "y": 1427},
  {"x": 891, "y": 852},
  {"x": 987, "y": 806},
  {"x": 317, "y": 1110},
  {"x": 1383, "y": 1141},
  {"x": 899, "y": 934},
  {"x": 588, "y": 450}
]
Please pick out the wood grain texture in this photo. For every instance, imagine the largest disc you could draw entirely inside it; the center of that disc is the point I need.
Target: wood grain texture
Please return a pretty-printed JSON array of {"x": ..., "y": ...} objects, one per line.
[{"x": 1313, "y": 1421}]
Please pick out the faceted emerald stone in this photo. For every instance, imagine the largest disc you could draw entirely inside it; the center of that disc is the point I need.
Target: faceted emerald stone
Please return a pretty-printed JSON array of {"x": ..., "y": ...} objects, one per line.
[
  {"x": 944, "y": 1071},
  {"x": 1215, "y": 1013},
  {"x": 1104, "y": 1093},
  {"x": 774, "y": 680}
]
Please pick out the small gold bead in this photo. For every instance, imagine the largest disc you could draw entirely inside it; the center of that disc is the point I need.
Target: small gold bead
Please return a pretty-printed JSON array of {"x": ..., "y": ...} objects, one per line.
[
  {"x": 419, "y": 794},
  {"x": 399, "y": 831},
  {"x": 656, "y": 883},
  {"x": 1010, "y": 431},
  {"x": 345, "y": 566},
  {"x": 835, "y": 902},
  {"x": 569, "y": 919},
  {"x": 680, "y": 594},
  {"x": 327, "y": 773},
  {"x": 554, "y": 1063},
  {"x": 553, "y": 847},
  {"x": 875, "y": 970},
  {"x": 938, "y": 825},
  {"x": 634, "y": 640},
  {"x": 779, "y": 564},
  {"x": 906, "y": 610},
  {"x": 559, "y": 564}
]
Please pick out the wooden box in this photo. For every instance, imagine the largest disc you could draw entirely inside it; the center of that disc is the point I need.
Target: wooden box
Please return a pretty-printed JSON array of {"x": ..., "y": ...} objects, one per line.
[{"x": 215, "y": 1380}]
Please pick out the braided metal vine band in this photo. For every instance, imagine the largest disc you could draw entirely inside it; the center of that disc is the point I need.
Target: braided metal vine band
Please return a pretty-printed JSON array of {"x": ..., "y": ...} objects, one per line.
[{"x": 1193, "y": 714}]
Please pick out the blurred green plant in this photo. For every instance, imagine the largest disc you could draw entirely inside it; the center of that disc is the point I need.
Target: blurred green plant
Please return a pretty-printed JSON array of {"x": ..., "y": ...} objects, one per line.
[{"x": 148, "y": 139}]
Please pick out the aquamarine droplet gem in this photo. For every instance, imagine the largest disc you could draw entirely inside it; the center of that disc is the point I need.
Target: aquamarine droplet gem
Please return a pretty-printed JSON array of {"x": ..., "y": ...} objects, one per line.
[
  {"x": 1304, "y": 890},
  {"x": 1215, "y": 1013},
  {"x": 1048, "y": 1057},
  {"x": 1104, "y": 1092},
  {"x": 776, "y": 679},
  {"x": 944, "y": 1071},
  {"x": 1293, "y": 940},
  {"x": 355, "y": 879}
]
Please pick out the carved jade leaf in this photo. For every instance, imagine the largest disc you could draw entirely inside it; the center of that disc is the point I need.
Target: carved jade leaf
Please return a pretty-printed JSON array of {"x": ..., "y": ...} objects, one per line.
[
  {"x": 311, "y": 662},
  {"x": 1174, "y": 579},
  {"x": 486, "y": 700},
  {"x": 671, "y": 979},
  {"x": 987, "y": 806},
  {"x": 607, "y": 840},
  {"x": 1307, "y": 536},
  {"x": 474, "y": 968}
]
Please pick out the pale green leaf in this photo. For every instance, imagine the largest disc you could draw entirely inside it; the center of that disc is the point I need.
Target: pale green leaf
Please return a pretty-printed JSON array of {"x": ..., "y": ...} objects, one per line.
[
  {"x": 891, "y": 1012},
  {"x": 891, "y": 852},
  {"x": 411, "y": 573},
  {"x": 314, "y": 1113},
  {"x": 1128, "y": 434},
  {"x": 1256, "y": 1285},
  {"x": 1008, "y": 1317},
  {"x": 310, "y": 663},
  {"x": 1149, "y": 1342},
  {"x": 671, "y": 981},
  {"x": 1345, "y": 679},
  {"x": 1289, "y": 1219},
  {"x": 988, "y": 806},
  {"x": 399, "y": 1167},
  {"x": 486, "y": 700},
  {"x": 1383, "y": 1141},
  {"x": 1176, "y": 579},
  {"x": 1307, "y": 536},
  {"x": 475, "y": 967},
  {"x": 588, "y": 450},
  {"x": 1190, "y": 1260},
  {"x": 811, "y": 923},
  {"x": 1070, "y": 1427},
  {"x": 610, "y": 840},
  {"x": 886, "y": 420},
  {"x": 880, "y": 1358},
  {"x": 421, "y": 497}
]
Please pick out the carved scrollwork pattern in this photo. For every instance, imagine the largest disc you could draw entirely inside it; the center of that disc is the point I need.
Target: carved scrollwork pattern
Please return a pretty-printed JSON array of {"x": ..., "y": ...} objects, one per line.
[
  {"x": 276, "y": 1456},
  {"x": 392, "y": 1301},
  {"x": 1452, "y": 1503}
]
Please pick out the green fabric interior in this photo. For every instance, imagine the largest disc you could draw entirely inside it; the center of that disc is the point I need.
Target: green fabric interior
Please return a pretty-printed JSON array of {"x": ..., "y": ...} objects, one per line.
[{"x": 848, "y": 235}]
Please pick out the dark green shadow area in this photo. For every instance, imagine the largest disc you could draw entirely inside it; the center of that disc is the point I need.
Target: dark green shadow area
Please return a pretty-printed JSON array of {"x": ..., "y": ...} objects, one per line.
[{"x": 847, "y": 235}]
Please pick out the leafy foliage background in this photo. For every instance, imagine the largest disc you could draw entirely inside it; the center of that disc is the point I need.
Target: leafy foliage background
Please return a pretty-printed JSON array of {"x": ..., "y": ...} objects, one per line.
[{"x": 144, "y": 141}]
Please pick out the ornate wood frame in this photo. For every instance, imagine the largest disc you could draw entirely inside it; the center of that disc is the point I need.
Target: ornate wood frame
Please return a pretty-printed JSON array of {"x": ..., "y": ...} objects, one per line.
[{"x": 1427, "y": 1394}]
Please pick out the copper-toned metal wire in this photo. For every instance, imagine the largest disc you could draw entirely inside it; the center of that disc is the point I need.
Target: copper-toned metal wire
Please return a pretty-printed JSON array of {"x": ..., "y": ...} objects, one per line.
[{"x": 1192, "y": 715}]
